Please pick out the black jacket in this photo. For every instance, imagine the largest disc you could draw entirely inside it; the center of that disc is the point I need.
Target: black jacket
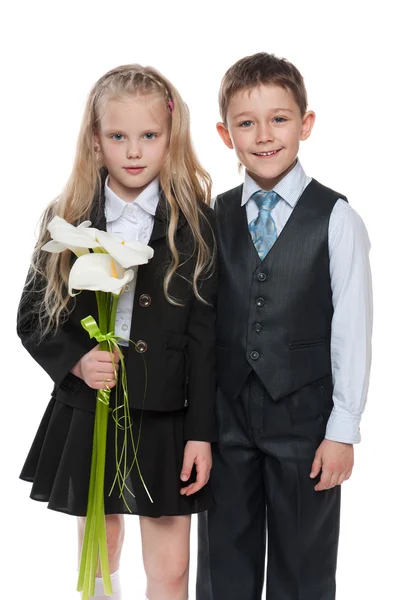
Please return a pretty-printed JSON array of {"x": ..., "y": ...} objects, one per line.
[{"x": 177, "y": 343}]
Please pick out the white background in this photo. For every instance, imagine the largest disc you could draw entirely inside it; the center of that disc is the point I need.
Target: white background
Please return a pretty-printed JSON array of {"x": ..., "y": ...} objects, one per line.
[{"x": 51, "y": 54}]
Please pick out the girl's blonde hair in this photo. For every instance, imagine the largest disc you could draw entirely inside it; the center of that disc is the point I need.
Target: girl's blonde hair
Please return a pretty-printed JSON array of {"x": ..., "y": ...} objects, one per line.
[{"x": 186, "y": 186}]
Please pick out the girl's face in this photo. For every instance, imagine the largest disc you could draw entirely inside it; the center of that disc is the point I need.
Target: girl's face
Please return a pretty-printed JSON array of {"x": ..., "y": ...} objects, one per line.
[{"x": 133, "y": 137}]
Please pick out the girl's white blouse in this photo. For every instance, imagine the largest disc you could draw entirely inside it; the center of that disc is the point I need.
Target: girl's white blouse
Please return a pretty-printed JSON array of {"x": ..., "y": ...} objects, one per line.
[{"x": 130, "y": 221}]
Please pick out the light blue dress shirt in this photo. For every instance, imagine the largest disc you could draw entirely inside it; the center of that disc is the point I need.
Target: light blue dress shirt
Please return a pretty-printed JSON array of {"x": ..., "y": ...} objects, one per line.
[{"x": 351, "y": 296}]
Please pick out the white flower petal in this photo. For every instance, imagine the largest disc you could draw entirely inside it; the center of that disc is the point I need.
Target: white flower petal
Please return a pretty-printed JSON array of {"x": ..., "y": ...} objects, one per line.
[
  {"x": 56, "y": 221},
  {"x": 94, "y": 272},
  {"x": 54, "y": 247},
  {"x": 81, "y": 237},
  {"x": 128, "y": 254},
  {"x": 84, "y": 224}
]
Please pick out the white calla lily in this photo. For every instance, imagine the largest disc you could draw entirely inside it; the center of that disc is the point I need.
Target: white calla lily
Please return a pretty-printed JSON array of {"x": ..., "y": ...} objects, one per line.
[
  {"x": 66, "y": 236},
  {"x": 127, "y": 254},
  {"x": 103, "y": 270},
  {"x": 98, "y": 272}
]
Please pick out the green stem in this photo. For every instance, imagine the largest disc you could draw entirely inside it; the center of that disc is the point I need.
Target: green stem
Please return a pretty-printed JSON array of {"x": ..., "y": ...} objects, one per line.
[
  {"x": 94, "y": 545},
  {"x": 101, "y": 524},
  {"x": 91, "y": 567},
  {"x": 113, "y": 312},
  {"x": 89, "y": 513},
  {"x": 103, "y": 318}
]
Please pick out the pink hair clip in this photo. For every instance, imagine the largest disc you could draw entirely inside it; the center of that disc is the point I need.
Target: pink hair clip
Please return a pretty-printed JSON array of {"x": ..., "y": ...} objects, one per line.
[{"x": 171, "y": 106}]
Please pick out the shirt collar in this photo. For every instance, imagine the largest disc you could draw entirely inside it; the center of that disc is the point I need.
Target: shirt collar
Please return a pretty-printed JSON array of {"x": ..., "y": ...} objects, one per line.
[
  {"x": 147, "y": 200},
  {"x": 289, "y": 188}
]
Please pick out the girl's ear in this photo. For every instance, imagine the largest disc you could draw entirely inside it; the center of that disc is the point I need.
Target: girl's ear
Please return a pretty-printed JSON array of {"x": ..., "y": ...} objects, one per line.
[
  {"x": 224, "y": 134},
  {"x": 307, "y": 125},
  {"x": 96, "y": 142}
]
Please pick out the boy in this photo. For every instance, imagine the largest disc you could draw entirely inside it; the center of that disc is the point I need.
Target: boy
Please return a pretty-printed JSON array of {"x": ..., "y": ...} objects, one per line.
[{"x": 293, "y": 355}]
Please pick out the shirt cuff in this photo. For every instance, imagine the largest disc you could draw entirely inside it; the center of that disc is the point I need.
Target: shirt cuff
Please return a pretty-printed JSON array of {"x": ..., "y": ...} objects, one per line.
[{"x": 343, "y": 427}]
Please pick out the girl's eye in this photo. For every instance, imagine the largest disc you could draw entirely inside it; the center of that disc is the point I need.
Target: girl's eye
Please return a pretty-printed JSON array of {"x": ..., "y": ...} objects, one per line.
[
  {"x": 245, "y": 124},
  {"x": 117, "y": 137},
  {"x": 280, "y": 119},
  {"x": 149, "y": 136}
]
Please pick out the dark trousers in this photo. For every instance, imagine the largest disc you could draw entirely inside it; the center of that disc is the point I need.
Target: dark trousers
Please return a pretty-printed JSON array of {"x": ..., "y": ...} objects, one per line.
[{"x": 260, "y": 480}]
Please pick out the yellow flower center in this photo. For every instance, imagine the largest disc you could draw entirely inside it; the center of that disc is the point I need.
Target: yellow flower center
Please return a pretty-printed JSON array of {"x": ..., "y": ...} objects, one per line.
[{"x": 113, "y": 270}]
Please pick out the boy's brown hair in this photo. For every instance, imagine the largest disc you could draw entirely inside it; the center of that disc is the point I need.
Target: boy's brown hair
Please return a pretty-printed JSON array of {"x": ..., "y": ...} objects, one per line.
[{"x": 258, "y": 69}]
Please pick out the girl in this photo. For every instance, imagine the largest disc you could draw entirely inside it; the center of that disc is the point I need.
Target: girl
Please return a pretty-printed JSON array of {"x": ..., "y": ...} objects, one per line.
[{"x": 137, "y": 176}]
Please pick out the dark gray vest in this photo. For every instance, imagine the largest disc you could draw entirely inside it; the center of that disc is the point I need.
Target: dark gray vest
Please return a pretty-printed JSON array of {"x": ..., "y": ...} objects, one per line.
[{"x": 274, "y": 316}]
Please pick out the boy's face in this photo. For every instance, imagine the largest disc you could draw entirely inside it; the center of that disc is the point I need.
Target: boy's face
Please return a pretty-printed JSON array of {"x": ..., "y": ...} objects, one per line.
[{"x": 264, "y": 126}]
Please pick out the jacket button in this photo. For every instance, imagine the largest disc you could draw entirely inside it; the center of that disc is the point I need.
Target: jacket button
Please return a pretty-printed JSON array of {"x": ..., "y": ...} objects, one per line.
[
  {"x": 260, "y": 301},
  {"x": 261, "y": 277},
  {"x": 141, "y": 346},
  {"x": 145, "y": 300},
  {"x": 254, "y": 355},
  {"x": 258, "y": 327}
]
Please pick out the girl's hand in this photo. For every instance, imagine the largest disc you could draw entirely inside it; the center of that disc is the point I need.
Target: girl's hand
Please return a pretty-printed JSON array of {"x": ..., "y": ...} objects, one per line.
[
  {"x": 97, "y": 369},
  {"x": 199, "y": 454}
]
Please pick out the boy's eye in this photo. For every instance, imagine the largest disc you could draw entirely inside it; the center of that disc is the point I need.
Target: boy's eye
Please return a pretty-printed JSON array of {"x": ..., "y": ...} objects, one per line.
[
  {"x": 117, "y": 136},
  {"x": 149, "y": 136},
  {"x": 280, "y": 119},
  {"x": 245, "y": 124}
]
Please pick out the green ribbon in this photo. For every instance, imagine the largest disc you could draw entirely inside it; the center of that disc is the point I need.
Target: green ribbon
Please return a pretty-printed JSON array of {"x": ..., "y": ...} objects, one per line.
[
  {"x": 94, "y": 331},
  {"x": 90, "y": 325}
]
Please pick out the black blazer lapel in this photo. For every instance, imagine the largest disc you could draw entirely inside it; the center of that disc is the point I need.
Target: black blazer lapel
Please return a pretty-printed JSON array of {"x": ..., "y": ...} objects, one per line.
[
  {"x": 161, "y": 219},
  {"x": 160, "y": 226},
  {"x": 97, "y": 213}
]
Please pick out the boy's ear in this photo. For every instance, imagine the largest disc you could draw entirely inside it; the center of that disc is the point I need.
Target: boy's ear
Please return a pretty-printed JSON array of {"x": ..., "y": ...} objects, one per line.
[
  {"x": 224, "y": 134},
  {"x": 307, "y": 125}
]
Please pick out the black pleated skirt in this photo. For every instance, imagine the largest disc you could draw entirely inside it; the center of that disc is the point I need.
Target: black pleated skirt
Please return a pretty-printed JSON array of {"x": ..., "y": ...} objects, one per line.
[{"x": 58, "y": 464}]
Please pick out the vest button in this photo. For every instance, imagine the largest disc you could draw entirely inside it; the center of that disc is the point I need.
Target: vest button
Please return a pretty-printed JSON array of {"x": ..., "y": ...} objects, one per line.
[
  {"x": 261, "y": 277},
  {"x": 260, "y": 302},
  {"x": 145, "y": 300},
  {"x": 258, "y": 327},
  {"x": 141, "y": 346},
  {"x": 254, "y": 355}
]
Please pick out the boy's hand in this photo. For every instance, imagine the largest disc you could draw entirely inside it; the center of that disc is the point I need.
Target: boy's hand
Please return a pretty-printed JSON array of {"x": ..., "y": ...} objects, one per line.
[
  {"x": 97, "y": 369},
  {"x": 336, "y": 461},
  {"x": 199, "y": 454}
]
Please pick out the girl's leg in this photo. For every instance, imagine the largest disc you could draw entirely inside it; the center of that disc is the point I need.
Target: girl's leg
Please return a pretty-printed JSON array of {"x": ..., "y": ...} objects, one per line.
[
  {"x": 115, "y": 536},
  {"x": 165, "y": 544}
]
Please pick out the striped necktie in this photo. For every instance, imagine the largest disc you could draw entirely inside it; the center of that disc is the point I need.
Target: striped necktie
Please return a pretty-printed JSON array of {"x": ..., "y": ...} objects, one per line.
[{"x": 263, "y": 228}]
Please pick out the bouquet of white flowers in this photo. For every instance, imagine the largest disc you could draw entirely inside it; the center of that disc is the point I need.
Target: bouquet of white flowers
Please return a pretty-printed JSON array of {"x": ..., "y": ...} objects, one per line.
[{"x": 105, "y": 270}]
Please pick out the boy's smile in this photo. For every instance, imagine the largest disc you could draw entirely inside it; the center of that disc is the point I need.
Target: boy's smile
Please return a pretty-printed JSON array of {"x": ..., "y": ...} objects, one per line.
[{"x": 265, "y": 126}]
